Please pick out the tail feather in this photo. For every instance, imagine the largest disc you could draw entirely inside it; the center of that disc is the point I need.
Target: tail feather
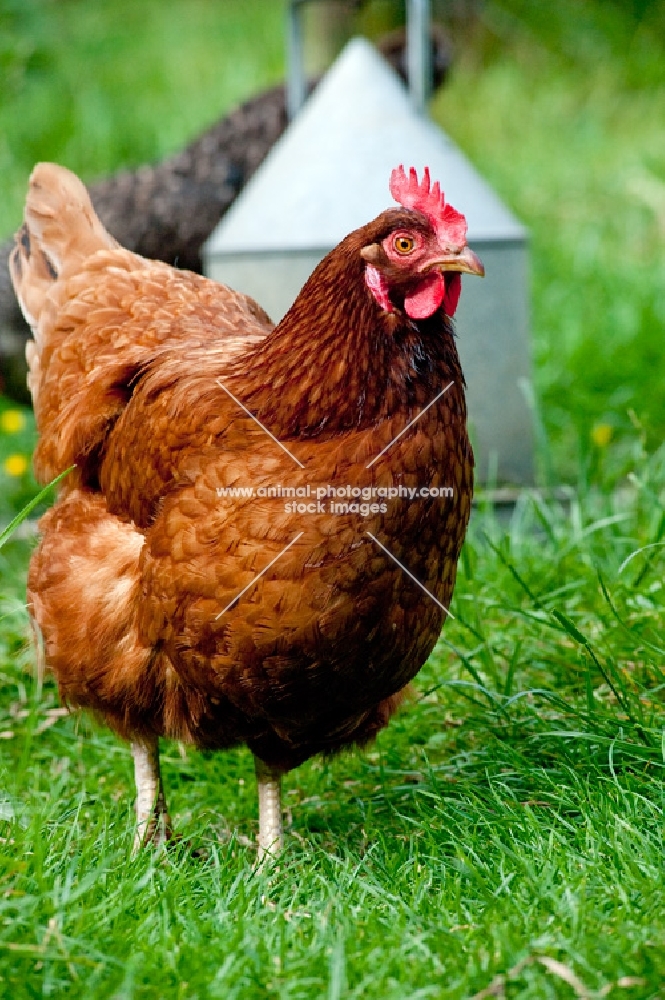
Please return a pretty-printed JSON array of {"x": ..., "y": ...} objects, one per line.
[{"x": 60, "y": 231}]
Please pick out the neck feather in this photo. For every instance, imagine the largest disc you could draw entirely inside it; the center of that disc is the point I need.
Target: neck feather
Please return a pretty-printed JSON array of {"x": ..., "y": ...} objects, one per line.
[{"x": 337, "y": 361}]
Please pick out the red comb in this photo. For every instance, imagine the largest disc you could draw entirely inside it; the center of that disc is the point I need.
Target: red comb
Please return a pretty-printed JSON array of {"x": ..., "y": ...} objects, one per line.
[{"x": 449, "y": 224}]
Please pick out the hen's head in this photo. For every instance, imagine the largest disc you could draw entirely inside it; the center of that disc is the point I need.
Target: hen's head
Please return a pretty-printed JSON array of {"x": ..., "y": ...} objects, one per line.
[{"x": 418, "y": 253}]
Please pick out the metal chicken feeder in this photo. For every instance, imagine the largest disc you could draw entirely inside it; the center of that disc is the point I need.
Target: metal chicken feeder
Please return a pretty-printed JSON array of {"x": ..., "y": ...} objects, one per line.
[{"x": 328, "y": 175}]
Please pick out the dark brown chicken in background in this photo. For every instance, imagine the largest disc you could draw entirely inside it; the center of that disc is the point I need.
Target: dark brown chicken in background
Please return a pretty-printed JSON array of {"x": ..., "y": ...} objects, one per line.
[
  {"x": 172, "y": 609},
  {"x": 167, "y": 211}
]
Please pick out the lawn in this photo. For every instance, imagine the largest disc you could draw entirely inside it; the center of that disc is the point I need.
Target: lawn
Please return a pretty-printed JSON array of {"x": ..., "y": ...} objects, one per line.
[{"x": 504, "y": 836}]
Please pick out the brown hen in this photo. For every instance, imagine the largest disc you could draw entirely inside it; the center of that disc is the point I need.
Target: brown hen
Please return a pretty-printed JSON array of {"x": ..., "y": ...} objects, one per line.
[{"x": 244, "y": 552}]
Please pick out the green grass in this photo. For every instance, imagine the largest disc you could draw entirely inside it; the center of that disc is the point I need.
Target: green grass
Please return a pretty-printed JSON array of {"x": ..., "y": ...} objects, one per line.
[
  {"x": 116, "y": 83},
  {"x": 512, "y": 816},
  {"x": 17, "y": 441},
  {"x": 558, "y": 104},
  {"x": 505, "y": 833}
]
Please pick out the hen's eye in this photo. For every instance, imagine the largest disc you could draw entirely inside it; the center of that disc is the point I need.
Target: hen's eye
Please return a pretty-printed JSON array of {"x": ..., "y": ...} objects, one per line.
[{"x": 404, "y": 244}]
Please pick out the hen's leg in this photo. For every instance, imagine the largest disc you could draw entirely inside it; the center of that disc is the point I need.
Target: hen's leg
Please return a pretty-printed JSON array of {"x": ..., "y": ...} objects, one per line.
[
  {"x": 270, "y": 809},
  {"x": 153, "y": 824}
]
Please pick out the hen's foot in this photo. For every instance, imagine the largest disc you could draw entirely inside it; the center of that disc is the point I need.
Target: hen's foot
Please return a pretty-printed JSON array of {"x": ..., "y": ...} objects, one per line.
[
  {"x": 271, "y": 836},
  {"x": 153, "y": 824}
]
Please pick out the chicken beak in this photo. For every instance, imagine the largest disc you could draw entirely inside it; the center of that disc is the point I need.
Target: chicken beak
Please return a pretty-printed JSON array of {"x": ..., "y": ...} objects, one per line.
[{"x": 465, "y": 261}]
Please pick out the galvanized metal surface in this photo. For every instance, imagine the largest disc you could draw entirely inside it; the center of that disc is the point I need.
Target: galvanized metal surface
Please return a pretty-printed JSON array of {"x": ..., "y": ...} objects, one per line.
[
  {"x": 328, "y": 174},
  {"x": 418, "y": 54},
  {"x": 296, "y": 84}
]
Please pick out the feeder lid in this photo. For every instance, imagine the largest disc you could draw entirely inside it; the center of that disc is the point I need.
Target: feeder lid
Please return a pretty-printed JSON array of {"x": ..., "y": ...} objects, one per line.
[{"x": 328, "y": 173}]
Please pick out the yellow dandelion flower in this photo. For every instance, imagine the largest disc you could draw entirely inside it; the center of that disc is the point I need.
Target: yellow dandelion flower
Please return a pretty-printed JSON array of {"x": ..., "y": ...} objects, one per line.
[
  {"x": 15, "y": 465},
  {"x": 601, "y": 435},
  {"x": 12, "y": 421}
]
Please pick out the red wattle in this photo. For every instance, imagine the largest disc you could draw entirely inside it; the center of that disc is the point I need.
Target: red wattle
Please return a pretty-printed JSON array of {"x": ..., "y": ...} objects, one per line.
[
  {"x": 427, "y": 297},
  {"x": 453, "y": 290}
]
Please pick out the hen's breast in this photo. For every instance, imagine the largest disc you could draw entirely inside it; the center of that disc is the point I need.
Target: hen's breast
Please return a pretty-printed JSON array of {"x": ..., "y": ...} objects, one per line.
[{"x": 295, "y": 605}]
